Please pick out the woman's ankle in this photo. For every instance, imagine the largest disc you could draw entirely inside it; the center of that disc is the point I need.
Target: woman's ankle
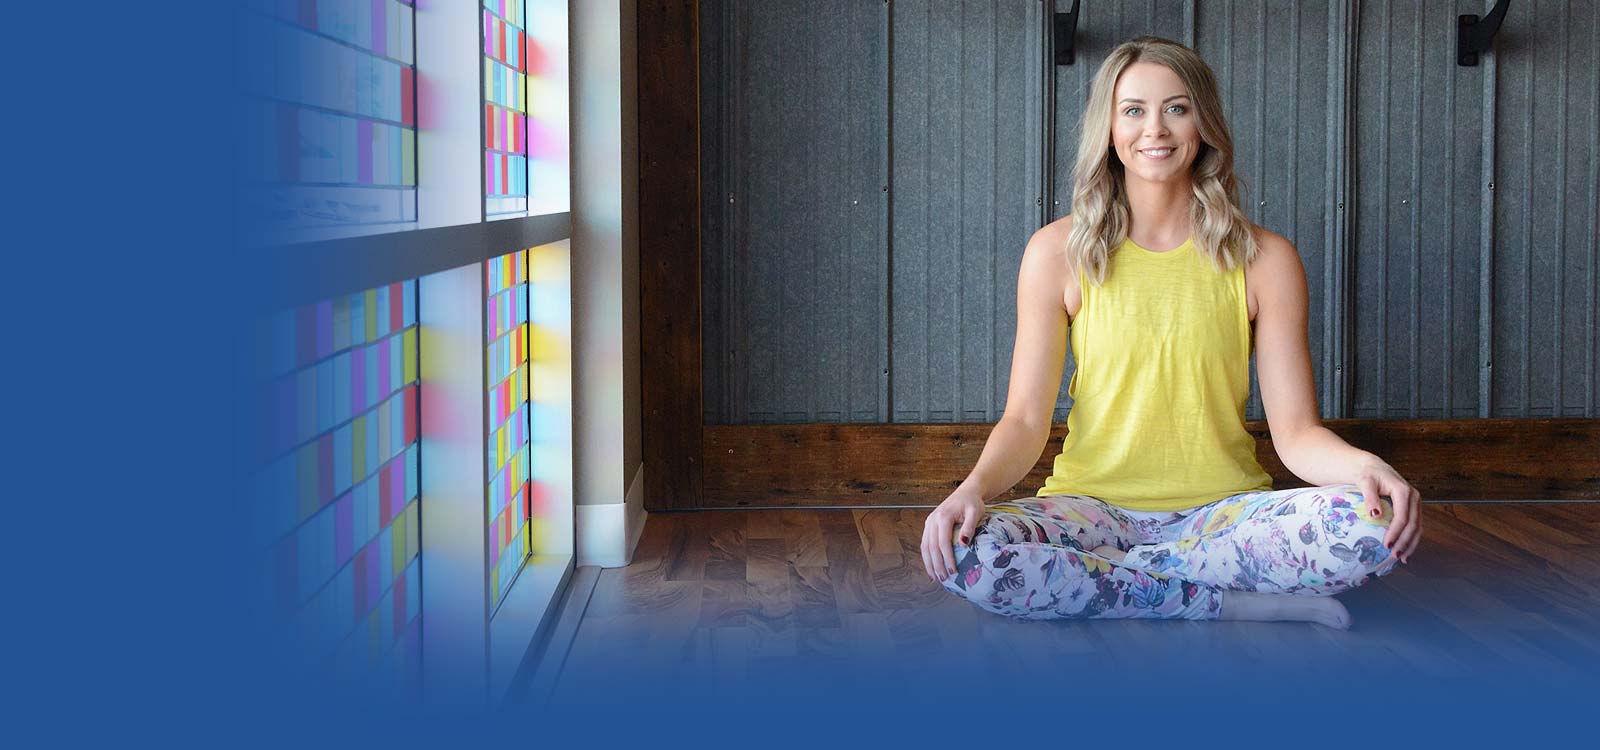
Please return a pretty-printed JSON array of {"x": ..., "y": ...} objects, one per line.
[{"x": 1262, "y": 607}]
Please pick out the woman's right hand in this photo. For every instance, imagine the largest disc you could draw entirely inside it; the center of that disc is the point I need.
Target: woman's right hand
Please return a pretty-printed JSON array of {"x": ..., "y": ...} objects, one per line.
[{"x": 963, "y": 508}]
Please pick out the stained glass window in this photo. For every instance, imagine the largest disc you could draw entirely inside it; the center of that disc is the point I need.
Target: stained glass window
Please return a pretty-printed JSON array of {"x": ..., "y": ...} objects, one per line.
[
  {"x": 336, "y": 508},
  {"x": 329, "y": 114},
  {"x": 505, "y": 107},
  {"x": 526, "y": 155},
  {"x": 506, "y": 295}
]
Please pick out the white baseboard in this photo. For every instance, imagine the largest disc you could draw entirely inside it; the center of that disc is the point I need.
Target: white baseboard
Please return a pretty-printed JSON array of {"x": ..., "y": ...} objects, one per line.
[{"x": 608, "y": 533}]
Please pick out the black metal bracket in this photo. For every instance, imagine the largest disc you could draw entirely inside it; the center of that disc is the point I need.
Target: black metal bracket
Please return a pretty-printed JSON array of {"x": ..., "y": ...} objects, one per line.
[
  {"x": 1475, "y": 36},
  {"x": 1066, "y": 28}
]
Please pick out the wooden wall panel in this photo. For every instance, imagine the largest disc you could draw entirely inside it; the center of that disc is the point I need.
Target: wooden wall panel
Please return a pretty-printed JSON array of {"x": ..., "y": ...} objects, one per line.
[
  {"x": 920, "y": 464},
  {"x": 669, "y": 252}
]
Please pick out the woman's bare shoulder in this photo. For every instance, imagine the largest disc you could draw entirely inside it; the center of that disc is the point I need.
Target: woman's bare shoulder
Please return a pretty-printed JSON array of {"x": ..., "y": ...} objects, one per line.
[
  {"x": 1276, "y": 262},
  {"x": 1061, "y": 226},
  {"x": 1056, "y": 234},
  {"x": 1269, "y": 242}
]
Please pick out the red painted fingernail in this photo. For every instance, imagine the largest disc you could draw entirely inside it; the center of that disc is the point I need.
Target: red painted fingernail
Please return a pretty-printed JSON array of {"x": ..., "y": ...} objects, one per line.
[
  {"x": 1374, "y": 512},
  {"x": 964, "y": 539}
]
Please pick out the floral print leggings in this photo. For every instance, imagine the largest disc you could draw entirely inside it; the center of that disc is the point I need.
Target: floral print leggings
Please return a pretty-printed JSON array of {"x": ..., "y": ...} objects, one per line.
[{"x": 1032, "y": 558}]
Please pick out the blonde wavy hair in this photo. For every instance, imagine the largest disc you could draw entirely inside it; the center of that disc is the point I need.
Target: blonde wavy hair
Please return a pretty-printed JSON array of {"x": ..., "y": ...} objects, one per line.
[{"x": 1100, "y": 214}]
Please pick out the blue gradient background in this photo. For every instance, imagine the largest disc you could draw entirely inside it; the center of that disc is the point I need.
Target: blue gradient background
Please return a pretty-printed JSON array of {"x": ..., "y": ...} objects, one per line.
[{"x": 125, "y": 623}]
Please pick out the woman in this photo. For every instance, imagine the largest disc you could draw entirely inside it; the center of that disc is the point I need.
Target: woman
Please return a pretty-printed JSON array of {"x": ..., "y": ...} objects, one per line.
[{"x": 1156, "y": 506}]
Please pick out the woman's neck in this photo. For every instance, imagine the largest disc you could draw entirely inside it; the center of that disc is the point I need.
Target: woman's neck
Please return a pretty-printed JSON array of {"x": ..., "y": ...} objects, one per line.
[{"x": 1160, "y": 210}]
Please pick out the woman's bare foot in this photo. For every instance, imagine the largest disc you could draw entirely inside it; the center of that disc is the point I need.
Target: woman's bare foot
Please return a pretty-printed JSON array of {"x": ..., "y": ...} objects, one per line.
[
  {"x": 1110, "y": 553},
  {"x": 1253, "y": 605}
]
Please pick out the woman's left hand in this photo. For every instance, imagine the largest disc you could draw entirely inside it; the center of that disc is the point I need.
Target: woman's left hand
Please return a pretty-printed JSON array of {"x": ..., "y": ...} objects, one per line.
[{"x": 1405, "y": 529}]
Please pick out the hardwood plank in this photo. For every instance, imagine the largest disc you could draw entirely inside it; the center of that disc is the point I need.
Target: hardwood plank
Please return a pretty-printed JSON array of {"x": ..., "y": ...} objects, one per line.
[
  {"x": 1516, "y": 528},
  {"x": 1572, "y": 517},
  {"x": 911, "y": 523},
  {"x": 724, "y": 535},
  {"x": 880, "y": 530},
  {"x": 724, "y": 603},
  {"x": 804, "y": 534},
  {"x": 853, "y": 589},
  {"x": 671, "y": 627},
  {"x": 902, "y": 583},
  {"x": 1516, "y": 576},
  {"x": 1554, "y": 546},
  {"x": 764, "y": 525},
  {"x": 1561, "y": 578},
  {"x": 814, "y": 605},
  {"x": 687, "y": 546},
  {"x": 767, "y": 572}
]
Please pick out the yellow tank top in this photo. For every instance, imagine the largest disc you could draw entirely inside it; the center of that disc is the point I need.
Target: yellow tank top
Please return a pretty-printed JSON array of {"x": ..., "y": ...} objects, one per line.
[{"x": 1160, "y": 387}]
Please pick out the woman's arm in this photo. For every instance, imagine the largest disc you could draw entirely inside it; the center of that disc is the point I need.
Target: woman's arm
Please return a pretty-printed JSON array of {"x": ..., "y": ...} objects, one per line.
[
  {"x": 1283, "y": 366},
  {"x": 1037, "y": 361}
]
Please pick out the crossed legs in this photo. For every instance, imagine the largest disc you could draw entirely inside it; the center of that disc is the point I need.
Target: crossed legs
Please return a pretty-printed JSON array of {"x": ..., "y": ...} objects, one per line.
[{"x": 1078, "y": 556}]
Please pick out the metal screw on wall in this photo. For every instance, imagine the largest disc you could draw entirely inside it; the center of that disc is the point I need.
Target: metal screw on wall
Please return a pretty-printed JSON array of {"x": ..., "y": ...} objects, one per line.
[
  {"x": 1404, "y": 201},
  {"x": 1491, "y": 186}
]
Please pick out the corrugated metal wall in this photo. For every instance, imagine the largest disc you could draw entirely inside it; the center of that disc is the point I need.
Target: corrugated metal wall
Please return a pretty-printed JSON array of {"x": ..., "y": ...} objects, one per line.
[
  {"x": 794, "y": 113},
  {"x": 1545, "y": 208},
  {"x": 873, "y": 171},
  {"x": 1420, "y": 191},
  {"x": 966, "y": 194}
]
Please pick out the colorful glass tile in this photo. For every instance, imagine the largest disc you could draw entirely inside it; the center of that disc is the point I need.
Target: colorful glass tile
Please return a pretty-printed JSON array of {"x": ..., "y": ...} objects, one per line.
[
  {"x": 505, "y": 96},
  {"x": 336, "y": 500},
  {"x": 508, "y": 455},
  {"x": 329, "y": 119}
]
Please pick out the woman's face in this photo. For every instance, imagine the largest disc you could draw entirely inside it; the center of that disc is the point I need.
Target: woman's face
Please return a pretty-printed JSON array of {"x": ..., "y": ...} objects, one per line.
[{"x": 1151, "y": 111}]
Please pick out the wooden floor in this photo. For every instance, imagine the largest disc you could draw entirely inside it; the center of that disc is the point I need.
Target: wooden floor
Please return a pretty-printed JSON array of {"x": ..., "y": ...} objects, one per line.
[{"x": 737, "y": 598}]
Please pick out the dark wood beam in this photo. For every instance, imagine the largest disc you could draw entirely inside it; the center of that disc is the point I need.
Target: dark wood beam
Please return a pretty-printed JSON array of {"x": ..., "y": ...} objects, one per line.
[
  {"x": 869, "y": 465},
  {"x": 669, "y": 251}
]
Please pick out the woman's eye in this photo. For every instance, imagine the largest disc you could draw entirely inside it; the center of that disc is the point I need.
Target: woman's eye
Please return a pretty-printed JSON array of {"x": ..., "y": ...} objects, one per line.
[{"x": 1131, "y": 110}]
